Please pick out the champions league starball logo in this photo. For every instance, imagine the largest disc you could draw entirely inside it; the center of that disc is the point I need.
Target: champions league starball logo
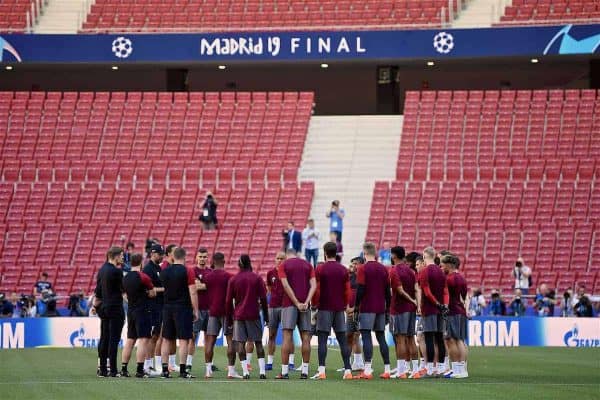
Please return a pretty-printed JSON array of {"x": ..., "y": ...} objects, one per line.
[
  {"x": 569, "y": 44},
  {"x": 122, "y": 47},
  {"x": 443, "y": 42}
]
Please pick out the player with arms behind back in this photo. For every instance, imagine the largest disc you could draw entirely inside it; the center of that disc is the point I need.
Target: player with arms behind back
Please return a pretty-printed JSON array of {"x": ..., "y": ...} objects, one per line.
[{"x": 456, "y": 328}]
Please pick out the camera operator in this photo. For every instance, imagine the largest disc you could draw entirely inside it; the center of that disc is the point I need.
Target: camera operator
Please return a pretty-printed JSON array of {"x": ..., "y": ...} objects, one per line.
[
  {"x": 476, "y": 303},
  {"x": 517, "y": 306},
  {"x": 497, "y": 306},
  {"x": 6, "y": 307},
  {"x": 567, "y": 305},
  {"x": 544, "y": 301},
  {"x": 336, "y": 219},
  {"x": 77, "y": 305},
  {"x": 208, "y": 217},
  {"x": 522, "y": 275},
  {"x": 46, "y": 305}
]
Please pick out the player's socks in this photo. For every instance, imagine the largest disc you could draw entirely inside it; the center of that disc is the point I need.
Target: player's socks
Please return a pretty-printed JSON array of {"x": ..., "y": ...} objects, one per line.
[
  {"x": 172, "y": 360},
  {"x": 386, "y": 368},
  {"x": 208, "y": 369},
  {"x": 249, "y": 358},
  {"x": 158, "y": 362},
  {"x": 165, "y": 370},
  {"x": 189, "y": 361},
  {"x": 446, "y": 363},
  {"x": 269, "y": 359},
  {"x": 305, "y": 368},
  {"x": 245, "y": 368},
  {"x": 291, "y": 362},
  {"x": 348, "y": 375},
  {"x": 261, "y": 366},
  {"x": 140, "y": 368},
  {"x": 368, "y": 368},
  {"x": 400, "y": 367},
  {"x": 430, "y": 369},
  {"x": 147, "y": 364},
  {"x": 124, "y": 366},
  {"x": 415, "y": 365},
  {"x": 285, "y": 369}
]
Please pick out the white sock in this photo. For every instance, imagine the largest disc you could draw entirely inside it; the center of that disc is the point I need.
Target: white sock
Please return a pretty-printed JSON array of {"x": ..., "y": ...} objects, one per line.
[
  {"x": 368, "y": 369},
  {"x": 245, "y": 367},
  {"x": 249, "y": 357},
  {"x": 148, "y": 363},
  {"x": 209, "y": 368},
  {"x": 158, "y": 363},
  {"x": 446, "y": 363},
  {"x": 441, "y": 368},
  {"x": 400, "y": 367},
  {"x": 189, "y": 360},
  {"x": 321, "y": 369},
  {"x": 422, "y": 363},
  {"x": 358, "y": 358},
  {"x": 230, "y": 369},
  {"x": 270, "y": 359},
  {"x": 285, "y": 369},
  {"x": 429, "y": 368},
  {"x": 172, "y": 359},
  {"x": 261, "y": 366},
  {"x": 347, "y": 371},
  {"x": 415, "y": 365},
  {"x": 455, "y": 367},
  {"x": 386, "y": 368},
  {"x": 291, "y": 359},
  {"x": 304, "y": 367},
  {"x": 463, "y": 367}
]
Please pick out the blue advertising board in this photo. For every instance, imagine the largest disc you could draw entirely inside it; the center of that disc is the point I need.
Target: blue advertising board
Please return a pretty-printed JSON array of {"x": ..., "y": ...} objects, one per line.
[
  {"x": 301, "y": 46},
  {"x": 483, "y": 331}
]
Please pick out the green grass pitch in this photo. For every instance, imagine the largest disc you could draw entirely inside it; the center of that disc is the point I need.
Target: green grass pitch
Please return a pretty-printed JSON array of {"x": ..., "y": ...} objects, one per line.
[{"x": 495, "y": 373}]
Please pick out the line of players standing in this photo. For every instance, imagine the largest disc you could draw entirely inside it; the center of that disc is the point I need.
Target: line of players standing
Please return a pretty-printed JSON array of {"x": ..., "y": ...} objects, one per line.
[{"x": 168, "y": 301}]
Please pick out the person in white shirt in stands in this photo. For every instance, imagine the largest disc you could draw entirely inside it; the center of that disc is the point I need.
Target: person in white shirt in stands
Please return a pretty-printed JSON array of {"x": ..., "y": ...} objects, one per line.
[
  {"x": 310, "y": 237},
  {"x": 522, "y": 275}
]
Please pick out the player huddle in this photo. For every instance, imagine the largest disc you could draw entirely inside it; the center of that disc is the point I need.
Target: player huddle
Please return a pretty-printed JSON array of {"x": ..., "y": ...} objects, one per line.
[{"x": 168, "y": 301}]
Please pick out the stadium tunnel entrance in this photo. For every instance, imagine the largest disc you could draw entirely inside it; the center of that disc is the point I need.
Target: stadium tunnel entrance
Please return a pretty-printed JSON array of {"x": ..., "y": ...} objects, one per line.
[{"x": 341, "y": 88}]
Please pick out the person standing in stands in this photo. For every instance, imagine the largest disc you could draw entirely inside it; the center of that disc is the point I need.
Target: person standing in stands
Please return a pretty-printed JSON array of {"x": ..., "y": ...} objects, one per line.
[
  {"x": 108, "y": 305},
  {"x": 336, "y": 219},
  {"x": 42, "y": 284},
  {"x": 292, "y": 239},
  {"x": 311, "y": 236},
  {"x": 208, "y": 215}
]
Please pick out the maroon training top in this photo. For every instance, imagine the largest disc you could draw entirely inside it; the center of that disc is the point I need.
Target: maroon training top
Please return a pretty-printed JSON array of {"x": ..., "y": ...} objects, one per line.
[
  {"x": 402, "y": 275},
  {"x": 333, "y": 286},
  {"x": 457, "y": 289},
  {"x": 246, "y": 289},
  {"x": 275, "y": 288},
  {"x": 216, "y": 288},
  {"x": 298, "y": 274},
  {"x": 203, "y": 299},
  {"x": 374, "y": 277},
  {"x": 432, "y": 280}
]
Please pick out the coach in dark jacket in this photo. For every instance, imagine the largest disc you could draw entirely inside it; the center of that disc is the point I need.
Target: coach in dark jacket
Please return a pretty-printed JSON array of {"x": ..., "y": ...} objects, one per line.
[
  {"x": 292, "y": 239},
  {"x": 108, "y": 304}
]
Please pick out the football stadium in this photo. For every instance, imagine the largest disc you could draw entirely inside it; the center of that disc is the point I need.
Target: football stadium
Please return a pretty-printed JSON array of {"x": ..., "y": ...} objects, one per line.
[{"x": 236, "y": 198}]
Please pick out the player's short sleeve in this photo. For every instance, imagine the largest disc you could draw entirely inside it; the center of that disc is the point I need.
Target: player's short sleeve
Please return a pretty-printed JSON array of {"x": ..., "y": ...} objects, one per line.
[
  {"x": 312, "y": 271},
  {"x": 360, "y": 275},
  {"x": 394, "y": 280},
  {"x": 281, "y": 271},
  {"x": 191, "y": 276},
  {"x": 146, "y": 281}
]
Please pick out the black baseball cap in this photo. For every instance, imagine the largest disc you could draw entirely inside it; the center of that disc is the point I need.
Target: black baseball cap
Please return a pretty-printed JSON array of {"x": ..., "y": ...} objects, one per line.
[{"x": 157, "y": 248}]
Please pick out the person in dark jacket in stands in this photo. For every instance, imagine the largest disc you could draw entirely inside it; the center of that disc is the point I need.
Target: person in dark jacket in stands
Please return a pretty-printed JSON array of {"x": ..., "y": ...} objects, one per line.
[{"x": 208, "y": 216}]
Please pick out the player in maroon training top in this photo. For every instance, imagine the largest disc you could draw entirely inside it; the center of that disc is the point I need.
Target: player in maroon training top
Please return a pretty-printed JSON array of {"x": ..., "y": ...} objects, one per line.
[
  {"x": 215, "y": 284},
  {"x": 373, "y": 303},
  {"x": 433, "y": 306},
  {"x": 456, "y": 328},
  {"x": 201, "y": 270},
  {"x": 275, "y": 289},
  {"x": 403, "y": 312},
  {"x": 299, "y": 283},
  {"x": 245, "y": 293},
  {"x": 333, "y": 293},
  {"x": 139, "y": 289}
]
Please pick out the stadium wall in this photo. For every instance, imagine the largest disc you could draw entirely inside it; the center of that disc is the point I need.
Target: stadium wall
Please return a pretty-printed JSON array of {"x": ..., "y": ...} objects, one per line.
[{"x": 487, "y": 332}]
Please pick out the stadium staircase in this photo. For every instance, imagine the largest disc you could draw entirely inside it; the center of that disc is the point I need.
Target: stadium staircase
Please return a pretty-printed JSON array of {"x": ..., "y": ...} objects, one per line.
[
  {"x": 344, "y": 156},
  {"x": 62, "y": 16},
  {"x": 480, "y": 14}
]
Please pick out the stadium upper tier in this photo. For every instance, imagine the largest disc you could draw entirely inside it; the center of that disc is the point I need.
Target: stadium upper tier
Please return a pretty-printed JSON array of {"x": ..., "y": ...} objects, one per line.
[
  {"x": 537, "y": 12},
  {"x": 224, "y": 15},
  {"x": 494, "y": 175},
  {"x": 80, "y": 170}
]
